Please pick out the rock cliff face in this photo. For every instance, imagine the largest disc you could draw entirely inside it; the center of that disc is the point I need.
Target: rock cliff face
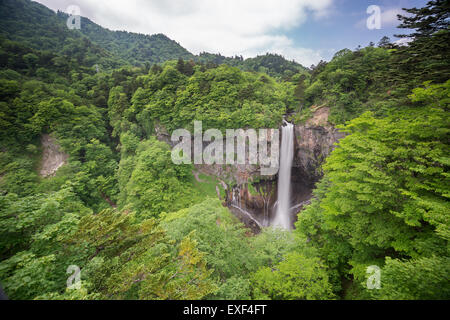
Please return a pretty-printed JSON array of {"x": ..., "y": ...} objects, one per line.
[
  {"x": 314, "y": 141},
  {"x": 52, "y": 158}
]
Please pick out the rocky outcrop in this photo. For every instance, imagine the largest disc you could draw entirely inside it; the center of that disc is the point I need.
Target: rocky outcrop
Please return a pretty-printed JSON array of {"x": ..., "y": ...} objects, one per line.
[
  {"x": 162, "y": 134},
  {"x": 314, "y": 141},
  {"x": 52, "y": 156}
]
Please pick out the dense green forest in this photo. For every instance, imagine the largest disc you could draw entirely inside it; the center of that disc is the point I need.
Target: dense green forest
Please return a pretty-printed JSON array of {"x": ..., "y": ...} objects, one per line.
[{"x": 141, "y": 227}]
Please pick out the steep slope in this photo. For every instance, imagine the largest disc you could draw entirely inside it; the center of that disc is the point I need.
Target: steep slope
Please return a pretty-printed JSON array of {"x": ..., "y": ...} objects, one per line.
[
  {"x": 133, "y": 48},
  {"x": 33, "y": 24},
  {"x": 40, "y": 28}
]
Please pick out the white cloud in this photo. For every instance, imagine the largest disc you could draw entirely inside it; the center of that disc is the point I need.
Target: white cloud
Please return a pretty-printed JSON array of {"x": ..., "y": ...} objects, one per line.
[
  {"x": 403, "y": 41},
  {"x": 242, "y": 27},
  {"x": 388, "y": 18},
  {"x": 286, "y": 47}
]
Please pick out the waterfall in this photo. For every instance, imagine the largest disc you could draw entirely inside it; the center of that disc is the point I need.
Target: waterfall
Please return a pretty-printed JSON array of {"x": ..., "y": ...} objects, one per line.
[
  {"x": 236, "y": 200},
  {"x": 282, "y": 216},
  {"x": 248, "y": 215}
]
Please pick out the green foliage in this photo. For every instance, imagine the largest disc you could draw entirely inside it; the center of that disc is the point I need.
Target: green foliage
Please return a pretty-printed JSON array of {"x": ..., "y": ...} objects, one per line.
[
  {"x": 135, "y": 49},
  {"x": 136, "y": 260},
  {"x": 272, "y": 64},
  {"x": 33, "y": 231},
  {"x": 385, "y": 192},
  {"x": 379, "y": 79},
  {"x": 31, "y": 217},
  {"x": 161, "y": 275},
  {"x": 229, "y": 252},
  {"x": 157, "y": 185},
  {"x": 271, "y": 245},
  {"x": 207, "y": 186},
  {"x": 417, "y": 279},
  {"x": 350, "y": 83},
  {"x": 219, "y": 235},
  {"x": 427, "y": 56},
  {"x": 140, "y": 227},
  {"x": 27, "y": 275},
  {"x": 41, "y": 29},
  {"x": 295, "y": 278},
  {"x": 222, "y": 97}
]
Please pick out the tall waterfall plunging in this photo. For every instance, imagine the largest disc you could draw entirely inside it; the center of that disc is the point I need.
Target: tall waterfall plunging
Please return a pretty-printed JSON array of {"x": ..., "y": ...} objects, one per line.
[{"x": 282, "y": 216}]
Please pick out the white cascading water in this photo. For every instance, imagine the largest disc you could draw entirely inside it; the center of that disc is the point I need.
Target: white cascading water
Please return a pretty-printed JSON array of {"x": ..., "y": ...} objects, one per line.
[
  {"x": 236, "y": 203},
  {"x": 282, "y": 217}
]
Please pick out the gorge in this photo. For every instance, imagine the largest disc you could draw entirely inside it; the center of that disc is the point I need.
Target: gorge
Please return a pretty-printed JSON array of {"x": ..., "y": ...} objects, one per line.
[{"x": 255, "y": 200}]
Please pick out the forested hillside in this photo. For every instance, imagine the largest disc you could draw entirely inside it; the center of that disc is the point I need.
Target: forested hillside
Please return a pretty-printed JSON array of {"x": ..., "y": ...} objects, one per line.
[
  {"x": 39, "y": 28},
  {"x": 141, "y": 227},
  {"x": 271, "y": 64}
]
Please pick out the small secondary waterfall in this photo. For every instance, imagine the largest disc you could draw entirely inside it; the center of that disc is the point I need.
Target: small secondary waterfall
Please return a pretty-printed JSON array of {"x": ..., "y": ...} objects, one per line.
[
  {"x": 236, "y": 203},
  {"x": 282, "y": 216}
]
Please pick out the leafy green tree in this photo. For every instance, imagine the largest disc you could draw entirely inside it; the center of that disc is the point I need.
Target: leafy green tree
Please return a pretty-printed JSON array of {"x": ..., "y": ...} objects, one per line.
[
  {"x": 136, "y": 260},
  {"x": 427, "y": 56},
  {"x": 385, "y": 42},
  {"x": 295, "y": 278},
  {"x": 34, "y": 231},
  {"x": 227, "y": 249},
  {"x": 424, "y": 278},
  {"x": 385, "y": 190},
  {"x": 118, "y": 103},
  {"x": 218, "y": 234},
  {"x": 156, "y": 184},
  {"x": 31, "y": 60},
  {"x": 28, "y": 275}
]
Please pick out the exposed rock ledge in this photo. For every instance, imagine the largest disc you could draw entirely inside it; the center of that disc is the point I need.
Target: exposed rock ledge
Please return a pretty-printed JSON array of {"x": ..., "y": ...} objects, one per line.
[
  {"x": 52, "y": 156},
  {"x": 314, "y": 141}
]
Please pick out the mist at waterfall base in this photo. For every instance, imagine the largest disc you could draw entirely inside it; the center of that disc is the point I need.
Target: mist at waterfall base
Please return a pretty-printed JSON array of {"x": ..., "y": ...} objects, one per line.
[{"x": 282, "y": 217}]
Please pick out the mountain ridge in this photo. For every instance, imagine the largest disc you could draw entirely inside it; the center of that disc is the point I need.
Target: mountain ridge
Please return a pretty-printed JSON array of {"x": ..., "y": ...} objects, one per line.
[{"x": 46, "y": 30}]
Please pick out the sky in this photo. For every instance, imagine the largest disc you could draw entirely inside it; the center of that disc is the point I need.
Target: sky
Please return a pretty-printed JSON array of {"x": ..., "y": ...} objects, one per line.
[{"x": 306, "y": 31}]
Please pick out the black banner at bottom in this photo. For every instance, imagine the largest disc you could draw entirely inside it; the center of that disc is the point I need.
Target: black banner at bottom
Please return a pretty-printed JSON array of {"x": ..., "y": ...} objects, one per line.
[{"x": 222, "y": 309}]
